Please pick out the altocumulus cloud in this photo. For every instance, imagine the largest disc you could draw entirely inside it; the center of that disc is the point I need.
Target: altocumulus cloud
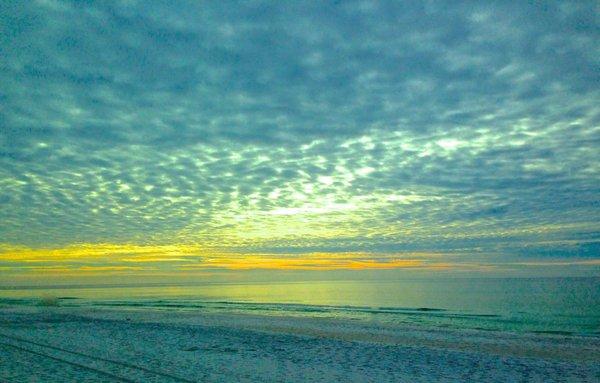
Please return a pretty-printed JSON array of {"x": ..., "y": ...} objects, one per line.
[{"x": 298, "y": 128}]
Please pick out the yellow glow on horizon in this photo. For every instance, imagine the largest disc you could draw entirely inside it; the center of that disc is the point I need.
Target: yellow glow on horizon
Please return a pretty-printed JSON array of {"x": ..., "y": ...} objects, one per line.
[
  {"x": 306, "y": 262},
  {"x": 131, "y": 257},
  {"x": 87, "y": 259},
  {"x": 105, "y": 251}
]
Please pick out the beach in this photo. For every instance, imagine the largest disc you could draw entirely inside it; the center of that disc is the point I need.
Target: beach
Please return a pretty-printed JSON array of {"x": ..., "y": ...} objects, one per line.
[
  {"x": 90, "y": 344},
  {"x": 299, "y": 191}
]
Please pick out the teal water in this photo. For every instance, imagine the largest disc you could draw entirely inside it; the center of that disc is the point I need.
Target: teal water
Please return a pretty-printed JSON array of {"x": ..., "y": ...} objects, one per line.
[{"x": 553, "y": 305}]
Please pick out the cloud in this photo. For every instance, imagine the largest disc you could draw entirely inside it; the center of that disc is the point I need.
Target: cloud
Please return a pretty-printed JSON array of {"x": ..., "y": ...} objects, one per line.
[
  {"x": 296, "y": 128},
  {"x": 169, "y": 258}
]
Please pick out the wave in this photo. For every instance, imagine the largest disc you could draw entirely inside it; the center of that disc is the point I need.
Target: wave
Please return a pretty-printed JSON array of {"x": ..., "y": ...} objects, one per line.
[
  {"x": 427, "y": 316},
  {"x": 293, "y": 308},
  {"x": 553, "y": 332}
]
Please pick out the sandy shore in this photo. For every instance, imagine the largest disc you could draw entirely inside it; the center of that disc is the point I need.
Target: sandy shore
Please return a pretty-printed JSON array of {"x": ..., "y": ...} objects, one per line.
[{"x": 92, "y": 345}]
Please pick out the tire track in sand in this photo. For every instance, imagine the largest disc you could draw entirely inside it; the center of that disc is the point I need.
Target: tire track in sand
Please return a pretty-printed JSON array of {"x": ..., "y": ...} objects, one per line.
[{"x": 55, "y": 354}]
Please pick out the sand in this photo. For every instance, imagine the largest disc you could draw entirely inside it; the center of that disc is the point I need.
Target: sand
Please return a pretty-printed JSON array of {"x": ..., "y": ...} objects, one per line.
[{"x": 59, "y": 344}]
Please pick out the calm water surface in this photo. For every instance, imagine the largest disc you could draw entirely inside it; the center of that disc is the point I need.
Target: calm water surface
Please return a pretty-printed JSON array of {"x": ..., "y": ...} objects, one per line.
[{"x": 560, "y": 305}]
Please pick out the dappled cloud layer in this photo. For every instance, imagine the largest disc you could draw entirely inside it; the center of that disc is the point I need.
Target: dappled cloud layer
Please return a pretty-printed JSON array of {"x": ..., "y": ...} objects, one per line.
[{"x": 298, "y": 135}]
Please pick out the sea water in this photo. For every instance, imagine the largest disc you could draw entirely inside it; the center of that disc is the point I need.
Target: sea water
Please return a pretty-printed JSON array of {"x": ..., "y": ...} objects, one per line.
[{"x": 554, "y": 305}]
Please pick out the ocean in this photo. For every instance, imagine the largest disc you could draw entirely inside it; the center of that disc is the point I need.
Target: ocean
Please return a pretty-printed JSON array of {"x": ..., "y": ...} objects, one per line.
[{"x": 545, "y": 305}]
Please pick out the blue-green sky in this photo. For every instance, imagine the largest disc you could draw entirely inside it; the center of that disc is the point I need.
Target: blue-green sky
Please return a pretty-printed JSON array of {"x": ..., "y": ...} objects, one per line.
[{"x": 174, "y": 135}]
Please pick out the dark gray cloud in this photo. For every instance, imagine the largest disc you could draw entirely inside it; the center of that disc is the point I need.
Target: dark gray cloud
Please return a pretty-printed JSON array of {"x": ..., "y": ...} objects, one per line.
[{"x": 376, "y": 126}]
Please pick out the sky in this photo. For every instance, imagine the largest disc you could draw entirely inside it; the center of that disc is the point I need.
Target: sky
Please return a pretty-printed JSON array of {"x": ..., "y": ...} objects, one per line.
[{"x": 213, "y": 140}]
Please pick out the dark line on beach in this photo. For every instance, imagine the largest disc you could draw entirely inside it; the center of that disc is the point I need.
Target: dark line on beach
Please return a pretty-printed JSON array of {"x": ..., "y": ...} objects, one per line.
[
  {"x": 124, "y": 364},
  {"x": 111, "y": 375}
]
